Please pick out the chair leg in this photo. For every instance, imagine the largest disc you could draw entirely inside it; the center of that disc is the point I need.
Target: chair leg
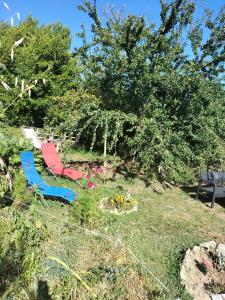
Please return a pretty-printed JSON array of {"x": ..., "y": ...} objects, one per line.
[
  {"x": 213, "y": 198},
  {"x": 196, "y": 196}
]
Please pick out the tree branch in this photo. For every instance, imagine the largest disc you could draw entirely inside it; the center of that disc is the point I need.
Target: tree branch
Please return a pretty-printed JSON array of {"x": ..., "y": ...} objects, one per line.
[{"x": 172, "y": 19}]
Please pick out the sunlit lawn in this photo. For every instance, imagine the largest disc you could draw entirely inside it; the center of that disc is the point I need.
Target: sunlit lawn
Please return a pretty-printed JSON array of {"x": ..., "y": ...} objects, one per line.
[{"x": 166, "y": 224}]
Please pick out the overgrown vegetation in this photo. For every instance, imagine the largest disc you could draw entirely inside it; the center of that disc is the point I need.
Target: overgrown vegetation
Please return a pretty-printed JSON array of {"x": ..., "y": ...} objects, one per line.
[
  {"x": 20, "y": 253},
  {"x": 86, "y": 211},
  {"x": 151, "y": 99},
  {"x": 164, "y": 106},
  {"x": 134, "y": 89}
]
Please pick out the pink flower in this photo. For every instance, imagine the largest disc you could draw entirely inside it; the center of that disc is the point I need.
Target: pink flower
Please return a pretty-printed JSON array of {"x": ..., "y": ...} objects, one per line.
[{"x": 91, "y": 185}]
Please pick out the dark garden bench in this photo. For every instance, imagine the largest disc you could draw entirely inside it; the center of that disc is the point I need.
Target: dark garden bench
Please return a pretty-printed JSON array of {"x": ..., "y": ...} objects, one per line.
[{"x": 211, "y": 183}]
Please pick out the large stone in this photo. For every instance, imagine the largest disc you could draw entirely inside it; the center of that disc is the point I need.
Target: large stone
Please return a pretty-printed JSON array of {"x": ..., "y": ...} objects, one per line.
[
  {"x": 198, "y": 271},
  {"x": 193, "y": 279}
]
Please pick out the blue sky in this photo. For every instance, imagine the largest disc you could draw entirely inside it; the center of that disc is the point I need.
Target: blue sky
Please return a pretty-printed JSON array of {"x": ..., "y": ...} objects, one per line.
[{"x": 66, "y": 12}]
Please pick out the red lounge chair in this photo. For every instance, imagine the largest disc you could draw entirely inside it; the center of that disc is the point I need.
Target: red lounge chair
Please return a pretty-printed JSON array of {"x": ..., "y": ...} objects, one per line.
[{"x": 53, "y": 161}]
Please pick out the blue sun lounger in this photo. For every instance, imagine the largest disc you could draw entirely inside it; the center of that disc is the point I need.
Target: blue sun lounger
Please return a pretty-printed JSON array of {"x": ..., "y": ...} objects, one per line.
[{"x": 34, "y": 179}]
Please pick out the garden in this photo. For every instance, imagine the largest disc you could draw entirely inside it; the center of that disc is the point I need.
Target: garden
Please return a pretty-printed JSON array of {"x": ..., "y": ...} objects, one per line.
[{"x": 100, "y": 153}]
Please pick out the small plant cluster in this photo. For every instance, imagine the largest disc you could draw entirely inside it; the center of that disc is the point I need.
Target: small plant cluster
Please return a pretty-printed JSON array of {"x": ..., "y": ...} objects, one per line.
[
  {"x": 121, "y": 202},
  {"x": 85, "y": 209}
]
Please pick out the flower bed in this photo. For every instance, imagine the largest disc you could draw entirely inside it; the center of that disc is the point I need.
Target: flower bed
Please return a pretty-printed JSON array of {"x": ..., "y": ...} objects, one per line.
[{"x": 119, "y": 204}]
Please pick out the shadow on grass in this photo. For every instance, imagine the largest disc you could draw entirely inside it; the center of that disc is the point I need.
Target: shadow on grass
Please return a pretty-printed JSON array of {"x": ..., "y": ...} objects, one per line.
[
  {"x": 6, "y": 200},
  {"x": 9, "y": 273},
  {"x": 43, "y": 290},
  {"x": 204, "y": 198}
]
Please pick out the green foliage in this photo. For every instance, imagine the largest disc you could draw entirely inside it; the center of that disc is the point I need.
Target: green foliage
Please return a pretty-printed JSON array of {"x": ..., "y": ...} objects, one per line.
[
  {"x": 110, "y": 275},
  {"x": 132, "y": 89},
  {"x": 94, "y": 125},
  {"x": 11, "y": 146},
  {"x": 21, "y": 194},
  {"x": 20, "y": 252},
  {"x": 157, "y": 105},
  {"x": 49, "y": 69},
  {"x": 85, "y": 209}
]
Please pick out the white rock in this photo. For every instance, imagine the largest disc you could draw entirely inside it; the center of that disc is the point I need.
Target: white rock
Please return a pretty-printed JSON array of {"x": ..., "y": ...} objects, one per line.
[
  {"x": 220, "y": 250},
  {"x": 211, "y": 245},
  {"x": 218, "y": 297}
]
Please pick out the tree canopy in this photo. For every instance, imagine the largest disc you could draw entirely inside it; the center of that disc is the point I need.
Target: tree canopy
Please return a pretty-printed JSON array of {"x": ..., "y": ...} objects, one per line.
[{"x": 42, "y": 58}]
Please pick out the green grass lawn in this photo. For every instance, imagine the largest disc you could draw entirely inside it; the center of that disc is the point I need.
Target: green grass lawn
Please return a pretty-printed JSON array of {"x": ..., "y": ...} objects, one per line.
[
  {"x": 166, "y": 224},
  {"x": 161, "y": 230}
]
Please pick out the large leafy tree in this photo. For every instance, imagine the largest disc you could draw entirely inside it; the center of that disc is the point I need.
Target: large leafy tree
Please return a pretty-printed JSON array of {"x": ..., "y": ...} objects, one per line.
[
  {"x": 41, "y": 59},
  {"x": 176, "y": 95}
]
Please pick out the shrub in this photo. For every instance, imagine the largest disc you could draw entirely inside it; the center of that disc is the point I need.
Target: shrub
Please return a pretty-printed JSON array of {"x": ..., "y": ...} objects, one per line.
[
  {"x": 11, "y": 146},
  {"x": 156, "y": 105},
  {"x": 85, "y": 209},
  {"x": 21, "y": 194}
]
